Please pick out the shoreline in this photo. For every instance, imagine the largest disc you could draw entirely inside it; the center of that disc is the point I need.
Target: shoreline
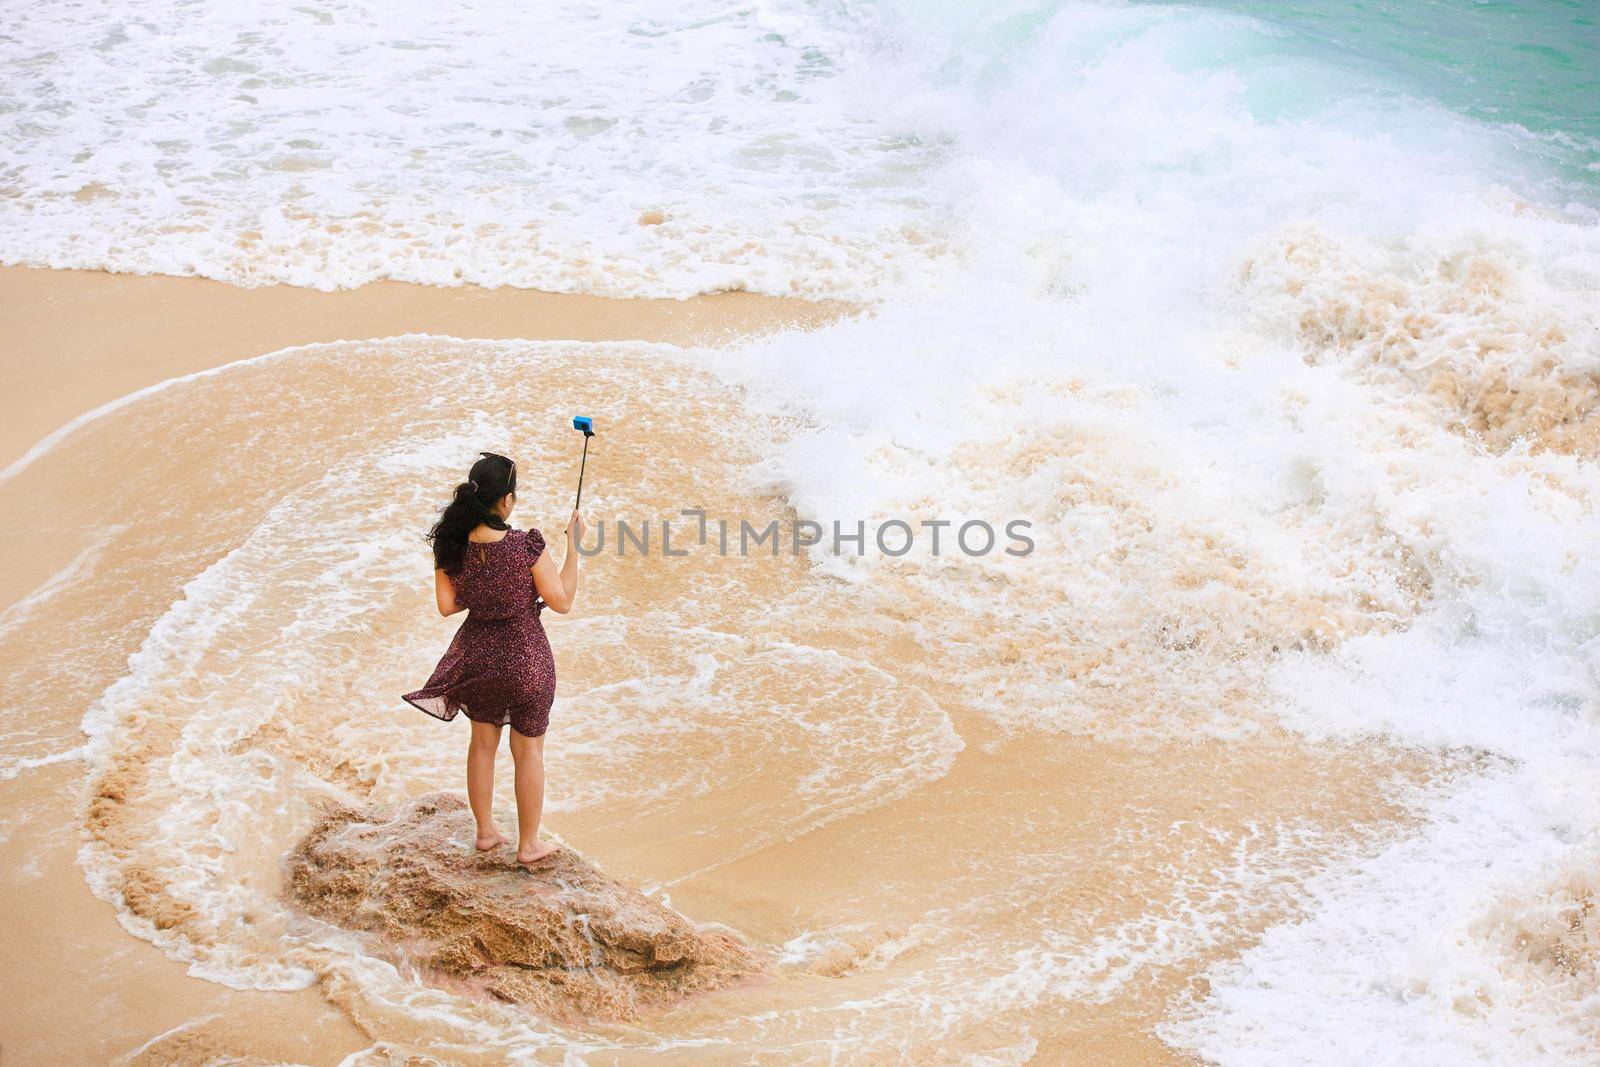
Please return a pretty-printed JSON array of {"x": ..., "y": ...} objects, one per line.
[{"x": 73, "y": 340}]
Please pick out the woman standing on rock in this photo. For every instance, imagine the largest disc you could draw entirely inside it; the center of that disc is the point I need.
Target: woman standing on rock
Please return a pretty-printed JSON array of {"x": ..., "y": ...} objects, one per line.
[{"x": 498, "y": 669}]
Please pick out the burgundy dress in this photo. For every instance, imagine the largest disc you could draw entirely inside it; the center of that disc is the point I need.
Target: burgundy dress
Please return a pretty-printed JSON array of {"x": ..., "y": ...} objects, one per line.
[{"x": 498, "y": 668}]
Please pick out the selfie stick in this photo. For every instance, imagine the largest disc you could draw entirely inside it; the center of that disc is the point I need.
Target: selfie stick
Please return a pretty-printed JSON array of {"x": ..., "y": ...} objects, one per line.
[{"x": 586, "y": 424}]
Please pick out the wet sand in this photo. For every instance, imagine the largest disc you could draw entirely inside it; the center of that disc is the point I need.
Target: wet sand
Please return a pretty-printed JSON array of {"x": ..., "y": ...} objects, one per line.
[
  {"x": 73, "y": 340},
  {"x": 1006, "y": 853}
]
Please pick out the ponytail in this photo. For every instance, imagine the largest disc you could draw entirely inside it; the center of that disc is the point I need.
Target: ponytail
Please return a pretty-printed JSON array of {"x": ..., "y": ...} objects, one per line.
[{"x": 491, "y": 479}]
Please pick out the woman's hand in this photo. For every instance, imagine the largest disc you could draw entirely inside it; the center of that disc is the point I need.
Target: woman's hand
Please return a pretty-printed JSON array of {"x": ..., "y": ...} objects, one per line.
[{"x": 574, "y": 529}]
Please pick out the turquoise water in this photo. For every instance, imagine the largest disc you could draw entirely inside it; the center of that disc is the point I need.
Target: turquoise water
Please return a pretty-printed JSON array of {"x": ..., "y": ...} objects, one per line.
[{"x": 1528, "y": 65}]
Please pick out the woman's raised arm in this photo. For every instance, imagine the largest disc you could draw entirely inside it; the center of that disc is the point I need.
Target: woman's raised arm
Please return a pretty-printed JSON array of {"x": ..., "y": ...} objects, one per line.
[{"x": 558, "y": 589}]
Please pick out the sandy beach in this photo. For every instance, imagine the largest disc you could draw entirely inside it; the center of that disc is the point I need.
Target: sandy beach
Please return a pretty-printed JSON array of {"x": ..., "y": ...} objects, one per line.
[{"x": 77, "y": 339}]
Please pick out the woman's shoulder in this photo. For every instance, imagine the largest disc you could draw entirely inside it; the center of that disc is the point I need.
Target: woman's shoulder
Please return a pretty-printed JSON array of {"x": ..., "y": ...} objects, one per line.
[{"x": 534, "y": 540}]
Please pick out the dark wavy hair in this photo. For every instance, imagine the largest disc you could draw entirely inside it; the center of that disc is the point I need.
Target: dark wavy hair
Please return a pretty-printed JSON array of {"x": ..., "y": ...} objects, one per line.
[{"x": 491, "y": 479}]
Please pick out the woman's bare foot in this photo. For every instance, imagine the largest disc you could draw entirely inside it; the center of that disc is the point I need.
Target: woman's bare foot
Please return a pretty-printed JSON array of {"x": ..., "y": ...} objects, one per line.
[
  {"x": 491, "y": 840},
  {"x": 537, "y": 851}
]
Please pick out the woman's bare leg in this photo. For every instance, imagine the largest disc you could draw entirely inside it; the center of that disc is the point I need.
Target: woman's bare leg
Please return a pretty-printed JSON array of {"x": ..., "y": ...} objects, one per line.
[
  {"x": 480, "y": 783},
  {"x": 528, "y": 755}
]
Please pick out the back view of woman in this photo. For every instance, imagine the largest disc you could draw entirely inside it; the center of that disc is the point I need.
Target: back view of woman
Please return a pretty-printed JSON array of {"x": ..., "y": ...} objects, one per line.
[{"x": 498, "y": 669}]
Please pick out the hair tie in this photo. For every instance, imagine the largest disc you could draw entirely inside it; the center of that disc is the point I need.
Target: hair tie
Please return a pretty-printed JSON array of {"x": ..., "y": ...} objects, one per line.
[{"x": 473, "y": 482}]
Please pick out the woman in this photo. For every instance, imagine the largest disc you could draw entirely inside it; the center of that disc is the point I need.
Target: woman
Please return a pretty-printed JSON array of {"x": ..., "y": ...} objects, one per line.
[{"x": 498, "y": 669}]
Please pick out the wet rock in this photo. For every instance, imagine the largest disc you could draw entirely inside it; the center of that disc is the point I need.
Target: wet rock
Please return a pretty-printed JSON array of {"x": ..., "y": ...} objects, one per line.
[{"x": 559, "y": 936}]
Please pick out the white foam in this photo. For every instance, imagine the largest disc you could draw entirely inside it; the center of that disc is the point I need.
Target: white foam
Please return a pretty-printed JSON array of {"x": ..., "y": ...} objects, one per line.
[
  {"x": 1389, "y": 968},
  {"x": 1115, "y": 369},
  {"x": 328, "y": 148}
]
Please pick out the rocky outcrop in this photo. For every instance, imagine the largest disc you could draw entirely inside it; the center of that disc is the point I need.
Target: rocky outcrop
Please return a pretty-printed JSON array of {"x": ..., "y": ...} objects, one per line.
[{"x": 559, "y": 936}]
